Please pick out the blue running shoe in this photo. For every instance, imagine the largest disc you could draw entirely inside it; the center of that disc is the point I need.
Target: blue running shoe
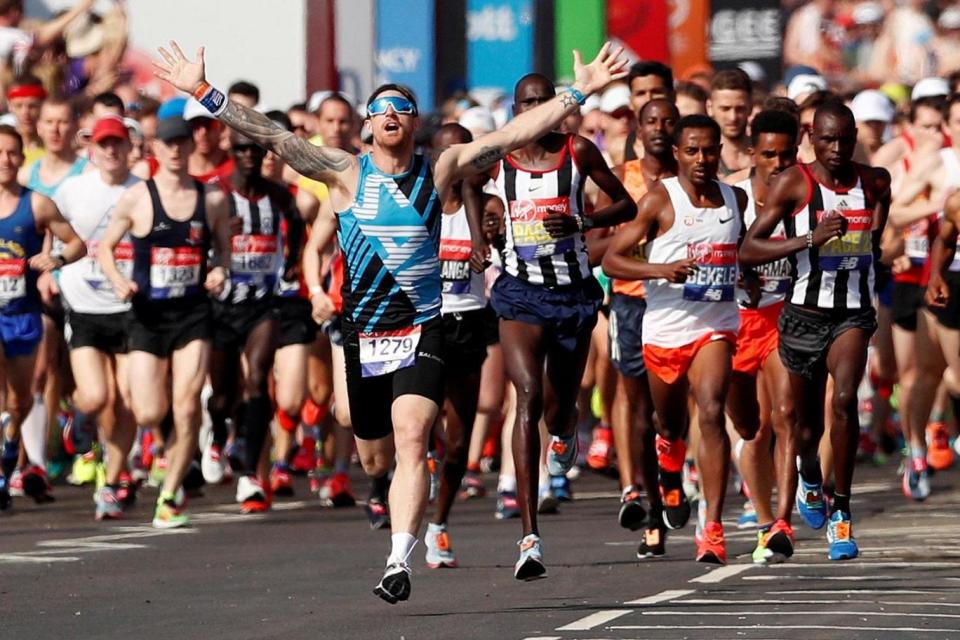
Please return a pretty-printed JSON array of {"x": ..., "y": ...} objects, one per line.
[
  {"x": 561, "y": 488},
  {"x": 562, "y": 454},
  {"x": 748, "y": 517},
  {"x": 811, "y": 504},
  {"x": 840, "y": 537}
]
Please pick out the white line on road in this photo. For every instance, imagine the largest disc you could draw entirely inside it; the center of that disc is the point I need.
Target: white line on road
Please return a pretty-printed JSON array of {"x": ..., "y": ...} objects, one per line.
[
  {"x": 887, "y": 592},
  {"x": 872, "y": 564},
  {"x": 721, "y": 574},
  {"x": 663, "y": 596},
  {"x": 833, "y": 601},
  {"x": 30, "y": 558},
  {"x": 743, "y": 614},
  {"x": 594, "y": 620},
  {"x": 761, "y": 627},
  {"x": 818, "y": 578}
]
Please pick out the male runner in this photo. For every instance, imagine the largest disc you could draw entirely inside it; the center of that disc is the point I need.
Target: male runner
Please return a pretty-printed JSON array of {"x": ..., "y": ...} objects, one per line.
[
  {"x": 95, "y": 317},
  {"x": 633, "y": 407},
  {"x": 730, "y": 104},
  {"x": 388, "y": 219},
  {"x": 25, "y": 96},
  {"x": 25, "y": 217},
  {"x": 692, "y": 224},
  {"x": 833, "y": 212},
  {"x": 648, "y": 79},
  {"x": 57, "y": 128},
  {"x": 172, "y": 221}
]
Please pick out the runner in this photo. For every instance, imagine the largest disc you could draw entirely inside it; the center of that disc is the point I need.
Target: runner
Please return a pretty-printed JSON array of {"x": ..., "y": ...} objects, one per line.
[
  {"x": 25, "y": 217},
  {"x": 633, "y": 408},
  {"x": 759, "y": 387},
  {"x": 648, "y": 79},
  {"x": 25, "y": 96},
  {"x": 692, "y": 224},
  {"x": 95, "y": 317},
  {"x": 833, "y": 212},
  {"x": 172, "y": 222},
  {"x": 730, "y": 104},
  {"x": 246, "y": 321},
  {"x": 546, "y": 298},
  {"x": 57, "y": 128},
  {"x": 388, "y": 219}
]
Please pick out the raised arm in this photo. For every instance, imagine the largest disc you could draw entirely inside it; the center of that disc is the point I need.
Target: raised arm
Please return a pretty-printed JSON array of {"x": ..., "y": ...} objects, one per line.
[
  {"x": 325, "y": 164},
  {"x": 461, "y": 160}
]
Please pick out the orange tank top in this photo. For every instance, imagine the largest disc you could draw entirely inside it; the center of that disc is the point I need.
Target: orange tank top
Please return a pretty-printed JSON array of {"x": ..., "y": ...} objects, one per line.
[{"x": 637, "y": 188}]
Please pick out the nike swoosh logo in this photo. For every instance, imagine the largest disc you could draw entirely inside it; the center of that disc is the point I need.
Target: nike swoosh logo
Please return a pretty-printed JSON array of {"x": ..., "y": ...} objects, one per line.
[
  {"x": 722, "y": 221},
  {"x": 534, "y": 186}
]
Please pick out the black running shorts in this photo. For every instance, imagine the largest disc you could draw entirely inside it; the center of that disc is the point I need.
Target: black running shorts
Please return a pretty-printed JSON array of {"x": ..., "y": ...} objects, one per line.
[
  {"x": 296, "y": 325},
  {"x": 232, "y": 323},
  {"x": 806, "y": 334},
  {"x": 907, "y": 301},
  {"x": 465, "y": 341},
  {"x": 161, "y": 331},
  {"x": 105, "y": 332},
  {"x": 949, "y": 316}
]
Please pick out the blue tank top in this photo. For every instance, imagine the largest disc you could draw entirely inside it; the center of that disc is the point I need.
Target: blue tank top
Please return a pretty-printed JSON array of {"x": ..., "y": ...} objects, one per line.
[
  {"x": 19, "y": 240},
  {"x": 49, "y": 189},
  {"x": 390, "y": 239}
]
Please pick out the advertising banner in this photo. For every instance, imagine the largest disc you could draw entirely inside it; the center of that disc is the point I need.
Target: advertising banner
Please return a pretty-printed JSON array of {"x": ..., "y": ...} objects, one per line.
[
  {"x": 499, "y": 42},
  {"x": 405, "y": 46},
  {"x": 688, "y": 35},
  {"x": 641, "y": 27},
  {"x": 746, "y": 30},
  {"x": 578, "y": 24}
]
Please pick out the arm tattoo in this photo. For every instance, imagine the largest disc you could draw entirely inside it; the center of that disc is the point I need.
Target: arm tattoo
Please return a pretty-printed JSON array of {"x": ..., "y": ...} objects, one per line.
[
  {"x": 307, "y": 159},
  {"x": 567, "y": 100},
  {"x": 486, "y": 157}
]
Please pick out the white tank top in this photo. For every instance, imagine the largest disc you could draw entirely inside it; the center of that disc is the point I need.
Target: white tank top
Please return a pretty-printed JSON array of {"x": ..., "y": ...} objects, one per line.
[
  {"x": 951, "y": 168},
  {"x": 681, "y": 313},
  {"x": 774, "y": 276},
  {"x": 463, "y": 288},
  {"x": 87, "y": 202}
]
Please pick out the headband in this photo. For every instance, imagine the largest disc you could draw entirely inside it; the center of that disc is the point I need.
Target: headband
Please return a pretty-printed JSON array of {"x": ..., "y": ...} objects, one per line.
[{"x": 27, "y": 91}]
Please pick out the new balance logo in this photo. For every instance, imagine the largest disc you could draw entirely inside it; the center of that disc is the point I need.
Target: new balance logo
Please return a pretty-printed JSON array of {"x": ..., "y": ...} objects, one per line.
[{"x": 848, "y": 263}]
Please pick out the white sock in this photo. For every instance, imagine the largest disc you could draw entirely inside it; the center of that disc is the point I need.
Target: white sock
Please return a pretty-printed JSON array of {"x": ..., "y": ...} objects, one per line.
[
  {"x": 34, "y": 432},
  {"x": 507, "y": 483},
  {"x": 436, "y": 528},
  {"x": 402, "y": 545}
]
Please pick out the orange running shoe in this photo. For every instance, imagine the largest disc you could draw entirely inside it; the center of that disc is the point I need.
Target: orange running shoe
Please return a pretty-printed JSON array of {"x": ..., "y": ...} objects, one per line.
[
  {"x": 712, "y": 548},
  {"x": 598, "y": 455},
  {"x": 939, "y": 453},
  {"x": 671, "y": 454}
]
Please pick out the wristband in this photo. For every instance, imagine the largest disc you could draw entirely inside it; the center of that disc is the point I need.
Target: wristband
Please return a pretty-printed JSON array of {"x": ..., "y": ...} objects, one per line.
[
  {"x": 211, "y": 98},
  {"x": 809, "y": 239},
  {"x": 579, "y": 97}
]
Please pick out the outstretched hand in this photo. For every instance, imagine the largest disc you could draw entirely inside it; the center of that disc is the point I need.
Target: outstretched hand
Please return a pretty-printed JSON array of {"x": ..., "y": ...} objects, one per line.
[
  {"x": 178, "y": 70},
  {"x": 604, "y": 69}
]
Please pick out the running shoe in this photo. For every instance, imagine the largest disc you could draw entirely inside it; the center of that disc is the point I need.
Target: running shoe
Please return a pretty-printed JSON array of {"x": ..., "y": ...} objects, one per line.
[
  {"x": 598, "y": 455},
  {"x": 212, "y": 464},
  {"x": 319, "y": 475},
  {"x": 236, "y": 452},
  {"x": 774, "y": 545},
  {"x": 15, "y": 485},
  {"x": 632, "y": 515},
  {"x": 251, "y": 495},
  {"x": 507, "y": 505},
  {"x": 84, "y": 470},
  {"x": 701, "y": 520},
  {"x": 4, "y": 493},
  {"x": 548, "y": 502},
  {"x": 394, "y": 586},
  {"x": 916, "y": 480},
  {"x": 158, "y": 471},
  {"x": 281, "y": 482},
  {"x": 671, "y": 454},
  {"x": 36, "y": 485},
  {"x": 109, "y": 506},
  {"x": 560, "y": 485},
  {"x": 676, "y": 507},
  {"x": 561, "y": 454},
  {"x": 305, "y": 458},
  {"x": 167, "y": 514},
  {"x": 939, "y": 453},
  {"x": 748, "y": 517},
  {"x": 691, "y": 480},
  {"x": 472, "y": 486},
  {"x": 811, "y": 504},
  {"x": 840, "y": 537},
  {"x": 126, "y": 490},
  {"x": 653, "y": 544},
  {"x": 439, "y": 552},
  {"x": 712, "y": 547},
  {"x": 530, "y": 565},
  {"x": 433, "y": 467},
  {"x": 336, "y": 491},
  {"x": 377, "y": 513}
]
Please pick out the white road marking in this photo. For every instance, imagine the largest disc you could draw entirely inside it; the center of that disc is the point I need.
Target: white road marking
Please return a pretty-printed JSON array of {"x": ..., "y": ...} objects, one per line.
[
  {"x": 763, "y": 627},
  {"x": 721, "y": 574},
  {"x": 840, "y": 578},
  {"x": 33, "y": 558},
  {"x": 819, "y": 612},
  {"x": 887, "y": 592},
  {"x": 872, "y": 564},
  {"x": 594, "y": 620},
  {"x": 663, "y": 596}
]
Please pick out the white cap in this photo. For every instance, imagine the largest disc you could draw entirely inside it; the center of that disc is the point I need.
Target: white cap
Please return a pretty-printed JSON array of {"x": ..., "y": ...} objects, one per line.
[
  {"x": 872, "y": 106},
  {"x": 478, "y": 120},
  {"x": 8, "y": 119},
  {"x": 950, "y": 18},
  {"x": 929, "y": 88},
  {"x": 194, "y": 109},
  {"x": 753, "y": 70},
  {"x": 592, "y": 104},
  {"x": 805, "y": 84},
  {"x": 868, "y": 13},
  {"x": 616, "y": 97}
]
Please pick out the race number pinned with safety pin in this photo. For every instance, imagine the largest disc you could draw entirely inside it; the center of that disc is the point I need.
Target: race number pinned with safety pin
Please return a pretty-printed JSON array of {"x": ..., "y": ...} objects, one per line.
[
  {"x": 383, "y": 352},
  {"x": 13, "y": 281}
]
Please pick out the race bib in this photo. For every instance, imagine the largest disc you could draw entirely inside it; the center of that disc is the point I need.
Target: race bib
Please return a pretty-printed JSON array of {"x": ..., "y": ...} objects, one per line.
[
  {"x": 13, "y": 280},
  {"x": 93, "y": 275},
  {"x": 716, "y": 275},
  {"x": 455, "y": 265},
  {"x": 852, "y": 251},
  {"x": 383, "y": 352},
  {"x": 775, "y": 276},
  {"x": 530, "y": 237},
  {"x": 174, "y": 271},
  {"x": 916, "y": 242},
  {"x": 253, "y": 259}
]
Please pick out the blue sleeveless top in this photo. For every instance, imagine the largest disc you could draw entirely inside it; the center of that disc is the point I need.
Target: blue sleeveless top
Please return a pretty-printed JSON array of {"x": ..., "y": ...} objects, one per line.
[
  {"x": 19, "y": 241},
  {"x": 390, "y": 239},
  {"x": 49, "y": 189}
]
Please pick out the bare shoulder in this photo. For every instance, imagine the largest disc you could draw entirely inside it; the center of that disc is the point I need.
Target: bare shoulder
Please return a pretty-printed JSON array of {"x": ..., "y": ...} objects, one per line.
[
  {"x": 742, "y": 198},
  {"x": 737, "y": 176},
  {"x": 41, "y": 204}
]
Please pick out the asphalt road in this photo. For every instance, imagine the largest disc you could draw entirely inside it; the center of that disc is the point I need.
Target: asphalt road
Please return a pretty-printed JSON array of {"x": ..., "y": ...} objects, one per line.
[{"x": 303, "y": 571}]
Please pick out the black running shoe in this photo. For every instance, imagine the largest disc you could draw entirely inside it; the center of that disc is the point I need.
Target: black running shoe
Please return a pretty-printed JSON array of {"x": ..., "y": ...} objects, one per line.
[
  {"x": 632, "y": 514},
  {"x": 676, "y": 508},
  {"x": 394, "y": 586},
  {"x": 377, "y": 513},
  {"x": 653, "y": 544}
]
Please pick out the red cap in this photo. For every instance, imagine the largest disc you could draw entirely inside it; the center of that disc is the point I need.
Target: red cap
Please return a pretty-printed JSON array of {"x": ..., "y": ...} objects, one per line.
[{"x": 109, "y": 127}]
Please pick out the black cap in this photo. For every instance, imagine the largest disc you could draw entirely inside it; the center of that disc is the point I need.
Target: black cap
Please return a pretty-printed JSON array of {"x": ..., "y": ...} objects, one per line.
[{"x": 172, "y": 128}]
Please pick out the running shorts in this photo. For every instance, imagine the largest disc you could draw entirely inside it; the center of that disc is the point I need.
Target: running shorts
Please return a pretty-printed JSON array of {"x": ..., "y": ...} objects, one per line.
[
  {"x": 949, "y": 316},
  {"x": 105, "y": 332},
  {"x": 464, "y": 341},
  {"x": 20, "y": 333},
  {"x": 806, "y": 335},
  {"x": 626, "y": 332},
  {"x": 296, "y": 324},
  {"x": 491, "y": 325},
  {"x": 883, "y": 285},
  {"x": 333, "y": 329},
  {"x": 162, "y": 331},
  {"x": 232, "y": 323},
  {"x": 757, "y": 339},
  {"x": 371, "y": 399},
  {"x": 907, "y": 301},
  {"x": 565, "y": 313},
  {"x": 672, "y": 363}
]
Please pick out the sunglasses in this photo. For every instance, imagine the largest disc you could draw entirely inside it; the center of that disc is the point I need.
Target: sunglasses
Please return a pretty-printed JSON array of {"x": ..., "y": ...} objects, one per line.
[{"x": 400, "y": 106}]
